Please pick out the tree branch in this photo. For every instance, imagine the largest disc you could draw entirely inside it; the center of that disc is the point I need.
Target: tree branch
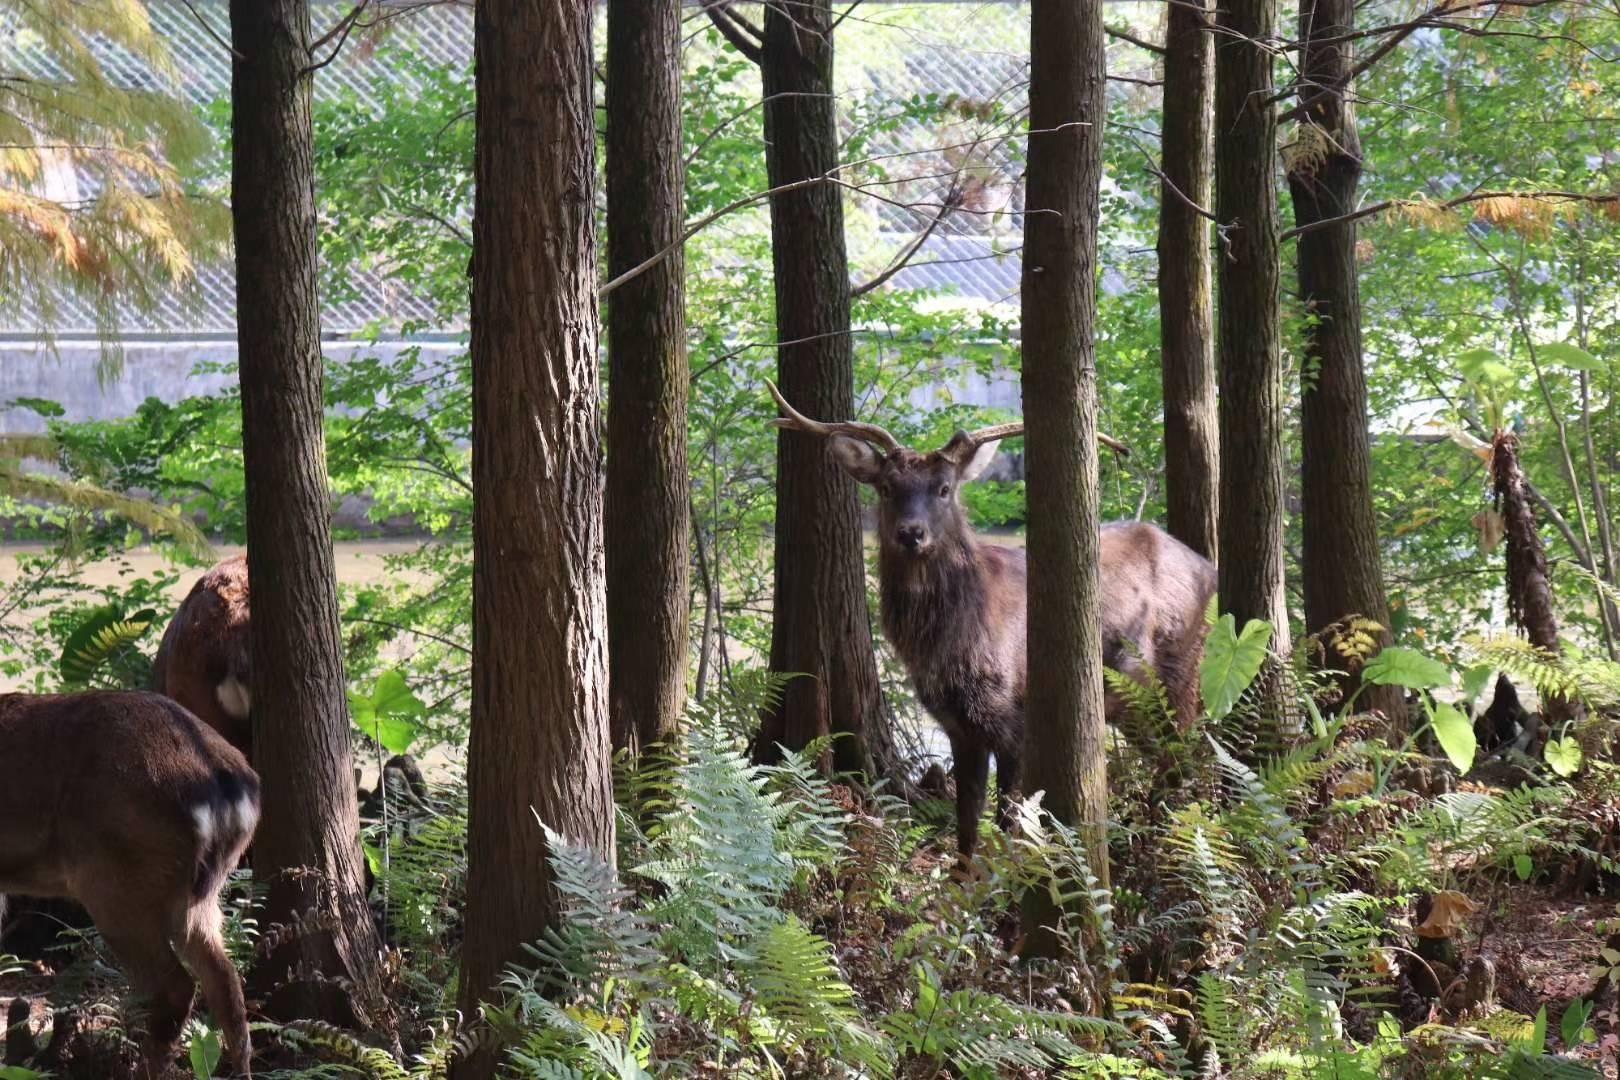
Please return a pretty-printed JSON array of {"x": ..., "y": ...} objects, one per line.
[
  {"x": 953, "y": 199},
  {"x": 1451, "y": 204},
  {"x": 735, "y": 29},
  {"x": 1131, "y": 39}
]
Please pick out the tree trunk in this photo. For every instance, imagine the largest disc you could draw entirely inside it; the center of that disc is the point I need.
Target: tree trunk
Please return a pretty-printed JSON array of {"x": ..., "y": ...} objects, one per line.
[
  {"x": 1251, "y": 392},
  {"x": 301, "y": 745},
  {"x": 540, "y": 742},
  {"x": 1064, "y": 733},
  {"x": 1340, "y": 562},
  {"x": 1529, "y": 588},
  {"x": 648, "y": 559},
  {"x": 819, "y": 617},
  {"x": 1186, "y": 333}
]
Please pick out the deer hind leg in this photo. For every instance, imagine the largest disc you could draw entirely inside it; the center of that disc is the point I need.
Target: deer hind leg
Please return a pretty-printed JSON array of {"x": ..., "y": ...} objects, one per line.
[
  {"x": 138, "y": 930},
  {"x": 1009, "y": 777},
  {"x": 203, "y": 949}
]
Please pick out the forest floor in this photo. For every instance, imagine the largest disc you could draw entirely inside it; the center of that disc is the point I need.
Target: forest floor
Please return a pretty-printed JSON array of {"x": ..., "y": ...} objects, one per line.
[{"x": 1544, "y": 946}]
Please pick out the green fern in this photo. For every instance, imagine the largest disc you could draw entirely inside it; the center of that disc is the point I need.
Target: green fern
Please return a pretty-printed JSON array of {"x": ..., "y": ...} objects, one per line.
[
  {"x": 106, "y": 635},
  {"x": 793, "y": 980}
]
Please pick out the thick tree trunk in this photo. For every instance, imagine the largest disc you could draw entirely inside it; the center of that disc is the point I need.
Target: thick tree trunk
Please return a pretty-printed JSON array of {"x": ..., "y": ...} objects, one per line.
[
  {"x": 1251, "y": 391},
  {"x": 301, "y": 746},
  {"x": 540, "y": 742},
  {"x": 1186, "y": 330},
  {"x": 1064, "y": 731},
  {"x": 819, "y": 618},
  {"x": 1340, "y": 563},
  {"x": 648, "y": 558}
]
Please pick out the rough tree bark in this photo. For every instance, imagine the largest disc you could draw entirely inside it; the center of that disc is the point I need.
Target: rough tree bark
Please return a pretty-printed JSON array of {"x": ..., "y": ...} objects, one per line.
[
  {"x": 1186, "y": 330},
  {"x": 540, "y": 741},
  {"x": 308, "y": 845},
  {"x": 1251, "y": 391},
  {"x": 1341, "y": 565},
  {"x": 819, "y": 618},
  {"x": 1064, "y": 730},
  {"x": 648, "y": 554},
  {"x": 1529, "y": 589}
]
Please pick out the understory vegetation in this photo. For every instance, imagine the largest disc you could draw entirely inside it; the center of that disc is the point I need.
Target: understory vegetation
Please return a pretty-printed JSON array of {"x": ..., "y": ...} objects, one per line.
[{"x": 1296, "y": 888}]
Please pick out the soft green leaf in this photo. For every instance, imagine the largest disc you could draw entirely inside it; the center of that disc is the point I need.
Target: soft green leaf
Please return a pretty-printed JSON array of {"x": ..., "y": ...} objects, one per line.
[
  {"x": 393, "y": 697},
  {"x": 1231, "y": 661},
  {"x": 1474, "y": 680},
  {"x": 1570, "y": 356},
  {"x": 1397, "y": 666},
  {"x": 1523, "y": 866},
  {"x": 390, "y": 713},
  {"x": 1563, "y": 756},
  {"x": 395, "y": 733},
  {"x": 1574, "y": 1022},
  {"x": 1483, "y": 366},
  {"x": 1456, "y": 736},
  {"x": 205, "y": 1053}
]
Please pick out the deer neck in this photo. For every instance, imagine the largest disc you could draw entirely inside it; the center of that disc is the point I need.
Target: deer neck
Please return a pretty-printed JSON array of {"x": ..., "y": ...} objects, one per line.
[{"x": 932, "y": 607}]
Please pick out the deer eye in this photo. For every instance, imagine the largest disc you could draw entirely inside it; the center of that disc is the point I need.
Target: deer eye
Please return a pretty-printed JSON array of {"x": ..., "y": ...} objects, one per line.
[{"x": 944, "y": 490}]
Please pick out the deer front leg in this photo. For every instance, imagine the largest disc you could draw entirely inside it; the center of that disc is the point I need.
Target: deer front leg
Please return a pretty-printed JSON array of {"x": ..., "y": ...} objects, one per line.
[{"x": 972, "y": 770}]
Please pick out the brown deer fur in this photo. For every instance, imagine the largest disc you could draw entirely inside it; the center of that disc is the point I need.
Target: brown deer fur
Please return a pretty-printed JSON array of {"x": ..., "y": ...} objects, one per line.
[
  {"x": 204, "y": 661},
  {"x": 129, "y": 805},
  {"x": 954, "y": 609}
]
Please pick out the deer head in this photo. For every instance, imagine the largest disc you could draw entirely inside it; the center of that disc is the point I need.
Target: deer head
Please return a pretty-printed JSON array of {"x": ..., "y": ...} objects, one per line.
[{"x": 919, "y": 512}]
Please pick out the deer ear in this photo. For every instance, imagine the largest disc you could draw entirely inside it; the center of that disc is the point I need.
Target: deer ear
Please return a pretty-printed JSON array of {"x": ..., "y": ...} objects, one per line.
[
  {"x": 861, "y": 460},
  {"x": 970, "y": 469}
]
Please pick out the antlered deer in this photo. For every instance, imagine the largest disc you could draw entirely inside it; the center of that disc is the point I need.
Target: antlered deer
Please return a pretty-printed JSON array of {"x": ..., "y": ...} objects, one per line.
[
  {"x": 954, "y": 609},
  {"x": 131, "y": 806},
  {"x": 204, "y": 661}
]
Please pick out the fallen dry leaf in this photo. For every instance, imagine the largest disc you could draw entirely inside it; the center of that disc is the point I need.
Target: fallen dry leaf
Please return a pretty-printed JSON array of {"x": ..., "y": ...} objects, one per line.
[{"x": 1449, "y": 911}]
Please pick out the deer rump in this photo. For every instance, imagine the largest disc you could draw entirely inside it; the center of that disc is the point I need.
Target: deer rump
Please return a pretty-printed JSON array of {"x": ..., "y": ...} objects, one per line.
[{"x": 131, "y": 806}]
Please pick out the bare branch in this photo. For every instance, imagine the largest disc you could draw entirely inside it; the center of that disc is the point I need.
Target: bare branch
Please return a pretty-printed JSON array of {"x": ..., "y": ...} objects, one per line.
[
  {"x": 210, "y": 31},
  {"x": 952, "y": 200},
  {"x": 735, "y": 29},
  {"x": 1131, "y": 39}
]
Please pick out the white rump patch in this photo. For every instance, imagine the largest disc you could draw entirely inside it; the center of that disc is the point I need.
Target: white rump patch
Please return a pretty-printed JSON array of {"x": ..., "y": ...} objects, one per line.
[
  {"x": 245, "y": 816},
  {"x": 203, "y": 815},
  {"x": 234, "y": 697}
]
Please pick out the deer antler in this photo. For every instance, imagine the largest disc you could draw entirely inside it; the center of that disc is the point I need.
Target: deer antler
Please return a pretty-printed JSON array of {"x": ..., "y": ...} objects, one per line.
[
  {"x": 797, "y": 421},
  {"x": 1007, "y": 431}
]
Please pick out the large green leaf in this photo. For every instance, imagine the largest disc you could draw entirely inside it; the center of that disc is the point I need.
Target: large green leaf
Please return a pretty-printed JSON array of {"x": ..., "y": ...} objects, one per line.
[
  {"x": 204, "y": 1052},
  {"x": 101, "y": 636},
  {"x": 1484, "y": 366},
  {"x": 390, "y": 713},
  {"x": 1456, "y": 736},
  {"x": 1231, "y": 661},
  {"x": 1397, "y": 666},
  {"x": 1563, "y": 756},
  {"x": 1570, "y": 356}
]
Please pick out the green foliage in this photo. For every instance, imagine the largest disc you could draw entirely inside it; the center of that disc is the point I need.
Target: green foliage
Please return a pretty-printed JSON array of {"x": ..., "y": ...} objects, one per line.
[
  {"x": 105, "y": 637},
  {"x": 1231, "y": 662}
]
